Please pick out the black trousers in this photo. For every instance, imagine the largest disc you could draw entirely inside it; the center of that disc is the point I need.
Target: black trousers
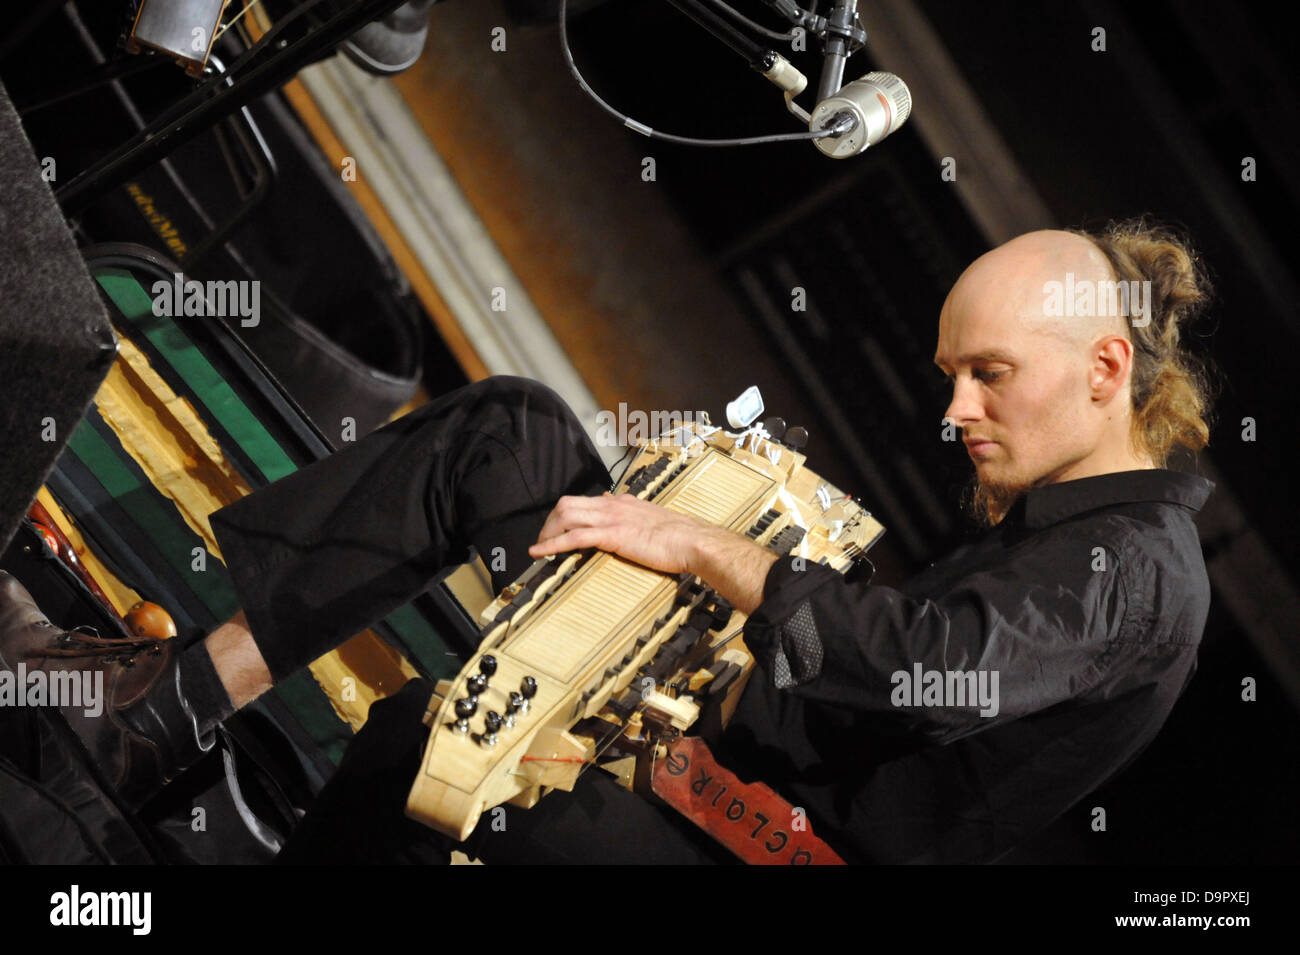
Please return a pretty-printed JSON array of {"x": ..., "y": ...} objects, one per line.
[{"x": 327, "y": 551}]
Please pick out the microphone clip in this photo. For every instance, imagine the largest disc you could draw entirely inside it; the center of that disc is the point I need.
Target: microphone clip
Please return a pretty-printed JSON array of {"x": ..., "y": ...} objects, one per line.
[{"x": 844, "y": 24}]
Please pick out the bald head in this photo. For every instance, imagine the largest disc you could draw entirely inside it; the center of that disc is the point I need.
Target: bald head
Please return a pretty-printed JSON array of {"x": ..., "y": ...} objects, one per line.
[
  {"x": 1028, "y": 277},
  {"x": 1040, "y": 368}
]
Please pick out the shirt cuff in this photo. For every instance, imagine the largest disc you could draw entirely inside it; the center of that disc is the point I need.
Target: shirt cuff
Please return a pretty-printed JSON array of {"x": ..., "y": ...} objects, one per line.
[{"x": 782, "y": 631}]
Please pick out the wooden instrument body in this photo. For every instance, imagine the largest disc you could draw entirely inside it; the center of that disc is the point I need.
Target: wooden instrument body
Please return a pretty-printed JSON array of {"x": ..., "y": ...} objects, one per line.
[{"x": 615, "y": 647}]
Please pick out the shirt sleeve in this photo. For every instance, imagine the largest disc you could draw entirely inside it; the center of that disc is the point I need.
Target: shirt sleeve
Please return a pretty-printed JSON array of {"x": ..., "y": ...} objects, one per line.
[{"x": 999, "y": 644}]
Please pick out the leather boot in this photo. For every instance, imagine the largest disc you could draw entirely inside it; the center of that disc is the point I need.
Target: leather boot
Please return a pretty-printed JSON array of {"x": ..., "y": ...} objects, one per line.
[{"x": 145, "y": 731}]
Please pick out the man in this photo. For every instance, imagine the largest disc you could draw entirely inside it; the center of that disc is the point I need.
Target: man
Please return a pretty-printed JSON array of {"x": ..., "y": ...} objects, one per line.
[{"x": 1081, "y": 608}]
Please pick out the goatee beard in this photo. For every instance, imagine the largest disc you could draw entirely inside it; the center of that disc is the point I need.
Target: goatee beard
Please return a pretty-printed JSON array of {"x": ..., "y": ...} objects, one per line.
[{"x": 988, "y": 501}]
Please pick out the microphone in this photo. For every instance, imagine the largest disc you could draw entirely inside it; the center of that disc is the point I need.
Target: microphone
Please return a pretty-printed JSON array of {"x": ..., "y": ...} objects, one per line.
[{"x": 876, "y": 105}]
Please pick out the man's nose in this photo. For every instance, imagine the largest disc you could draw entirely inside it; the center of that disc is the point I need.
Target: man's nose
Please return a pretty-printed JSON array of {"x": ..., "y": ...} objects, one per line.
[{"x": 965, "y": 407}]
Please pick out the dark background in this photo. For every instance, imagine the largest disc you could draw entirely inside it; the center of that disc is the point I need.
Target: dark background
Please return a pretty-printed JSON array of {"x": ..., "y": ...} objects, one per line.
[{"x": 1158, "y": 124}]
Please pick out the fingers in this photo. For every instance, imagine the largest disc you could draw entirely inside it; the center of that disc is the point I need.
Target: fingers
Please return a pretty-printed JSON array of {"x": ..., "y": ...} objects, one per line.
[
  {"x": 567, "y": 513},
  {"x": 620, "y": 524},
  {"x": 571, "y": 513},
  {"x": 570, "y": 540},
  {"x": 576, "y": 522}
]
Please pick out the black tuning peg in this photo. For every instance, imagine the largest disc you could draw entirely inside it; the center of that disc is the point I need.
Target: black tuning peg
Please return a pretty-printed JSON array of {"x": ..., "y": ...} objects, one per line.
[
  {"x": 721, "y": 615},
  {"x": 796, "y": 438},
  {"x": 775, "y": 427},
  {"x": 487, "y": 665}
]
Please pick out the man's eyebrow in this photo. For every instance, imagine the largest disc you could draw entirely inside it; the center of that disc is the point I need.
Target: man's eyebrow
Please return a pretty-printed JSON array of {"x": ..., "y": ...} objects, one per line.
[{"x": 987, "y": 355}]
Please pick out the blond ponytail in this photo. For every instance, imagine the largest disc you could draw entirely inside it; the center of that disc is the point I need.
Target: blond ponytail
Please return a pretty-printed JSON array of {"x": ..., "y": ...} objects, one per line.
[{"x": 1170, "y": 386}]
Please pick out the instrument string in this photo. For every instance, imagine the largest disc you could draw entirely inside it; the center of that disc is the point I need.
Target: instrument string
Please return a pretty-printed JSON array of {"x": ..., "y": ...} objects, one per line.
[{"x": 247, "y": 6}]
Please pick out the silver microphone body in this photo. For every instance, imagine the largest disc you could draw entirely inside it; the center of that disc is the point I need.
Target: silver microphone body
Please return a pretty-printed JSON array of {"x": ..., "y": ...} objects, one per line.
[{"x": 879, "y": 103}]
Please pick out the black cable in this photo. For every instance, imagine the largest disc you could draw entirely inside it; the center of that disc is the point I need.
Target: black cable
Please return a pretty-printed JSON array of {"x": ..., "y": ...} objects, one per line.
[
  {"x": 756, "y": 27},
  {"x": 834, "y": 130}
]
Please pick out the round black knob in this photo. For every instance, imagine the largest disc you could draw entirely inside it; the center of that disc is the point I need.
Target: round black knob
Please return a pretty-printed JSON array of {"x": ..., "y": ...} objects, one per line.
[
  {"x": 466, "y": 706},
  {"x": 477, "y": 684},
  {"x": 492, "y": 721},
  {"x": 796, "y": 438},
  {"x": 487, "y": 665},
  {"x": 775, "y": 427},
  {"x": 514, "y": 702},
  {"x": 528, "y": 687}
]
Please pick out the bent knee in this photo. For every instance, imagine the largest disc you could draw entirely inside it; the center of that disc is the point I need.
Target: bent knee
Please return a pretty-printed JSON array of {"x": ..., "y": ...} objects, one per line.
[{"x": 525, "y": 391}]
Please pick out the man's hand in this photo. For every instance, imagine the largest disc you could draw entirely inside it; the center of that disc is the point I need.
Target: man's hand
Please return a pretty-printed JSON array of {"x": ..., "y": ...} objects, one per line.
[
  {"x": 622, "y": 524},
  {"x": 660, "y": 539}
]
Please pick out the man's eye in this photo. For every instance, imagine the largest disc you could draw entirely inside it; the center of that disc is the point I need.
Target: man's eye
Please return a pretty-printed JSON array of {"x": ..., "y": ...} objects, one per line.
[{"x": 981, "y": 374}]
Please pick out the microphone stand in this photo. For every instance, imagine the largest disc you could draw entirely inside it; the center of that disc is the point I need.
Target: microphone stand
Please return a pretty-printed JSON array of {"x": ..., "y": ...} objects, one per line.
[
  {"x": 756, "y": 54},
  {"x": 840, "y": 31},
  {"x": 838, "y": 45}
]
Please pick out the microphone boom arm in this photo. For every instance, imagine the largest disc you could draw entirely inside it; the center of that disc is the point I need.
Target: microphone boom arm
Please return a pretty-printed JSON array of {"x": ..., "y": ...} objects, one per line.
[{"x": 755, "y": 53}]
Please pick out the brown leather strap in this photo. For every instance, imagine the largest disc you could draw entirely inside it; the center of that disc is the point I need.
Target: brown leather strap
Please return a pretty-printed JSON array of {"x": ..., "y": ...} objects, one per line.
[{"x": 750, "y": 819}]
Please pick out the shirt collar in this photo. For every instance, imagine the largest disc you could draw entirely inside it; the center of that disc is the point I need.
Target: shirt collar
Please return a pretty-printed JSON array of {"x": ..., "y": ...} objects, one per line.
[{"x": 1053, "y": 503}]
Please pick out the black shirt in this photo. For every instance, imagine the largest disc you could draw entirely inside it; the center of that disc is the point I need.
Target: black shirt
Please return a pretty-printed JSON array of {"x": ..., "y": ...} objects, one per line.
[{"x": 1088, "y": 601}]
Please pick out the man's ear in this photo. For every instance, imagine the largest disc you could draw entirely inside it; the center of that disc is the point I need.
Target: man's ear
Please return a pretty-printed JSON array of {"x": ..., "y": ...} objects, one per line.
[{"x": 1111, "y": 361}]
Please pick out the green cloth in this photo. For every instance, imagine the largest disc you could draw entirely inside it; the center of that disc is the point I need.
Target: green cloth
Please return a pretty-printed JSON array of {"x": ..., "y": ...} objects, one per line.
[{"x": 300, "y": 693}]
